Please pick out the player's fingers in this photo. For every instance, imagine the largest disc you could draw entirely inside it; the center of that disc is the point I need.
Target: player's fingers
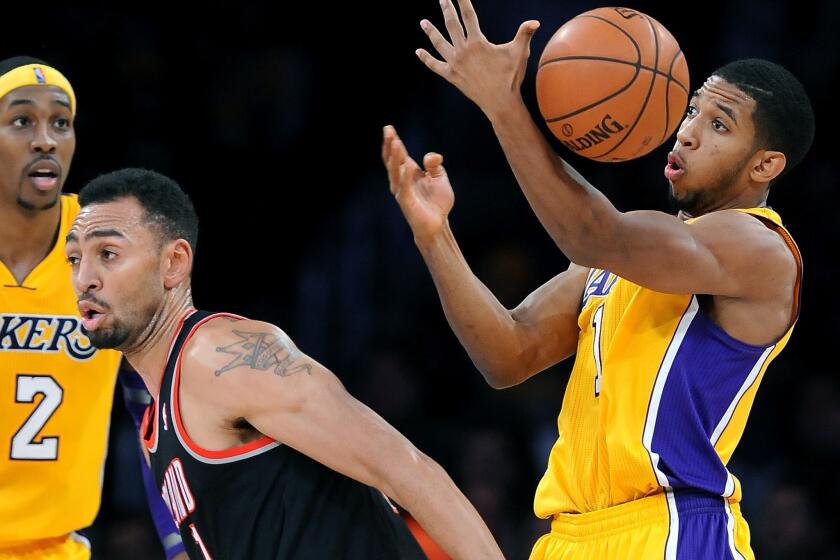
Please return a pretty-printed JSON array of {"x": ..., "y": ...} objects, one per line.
[
  {"x": 437, "y": 66},
  {"x": 441, "y": 45},
  {"x": 387, "y": 138},
  {"x": 470, "y": 19},
  {"x": 453, "y": 24},
  {"x": 395, "y": 160},
  {"x": 433, "y": 163},
  {"x": 525, "y": 33},
  {"x": 408, "y": 173}
]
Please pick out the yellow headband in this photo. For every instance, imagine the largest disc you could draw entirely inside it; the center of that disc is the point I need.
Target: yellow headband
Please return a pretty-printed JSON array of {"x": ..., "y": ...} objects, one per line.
[{"x": 36, "y": 75}]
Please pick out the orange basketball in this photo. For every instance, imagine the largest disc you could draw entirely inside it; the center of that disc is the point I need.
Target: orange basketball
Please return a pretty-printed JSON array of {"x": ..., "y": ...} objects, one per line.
[{"x": 612, "y": 84}]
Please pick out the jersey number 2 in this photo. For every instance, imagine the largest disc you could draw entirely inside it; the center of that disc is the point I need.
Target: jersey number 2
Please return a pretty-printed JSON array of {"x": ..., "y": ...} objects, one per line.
[{"x": 24, "y": 446}]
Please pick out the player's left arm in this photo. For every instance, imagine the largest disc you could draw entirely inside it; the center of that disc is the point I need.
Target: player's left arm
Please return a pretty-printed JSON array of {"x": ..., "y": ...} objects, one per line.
[
  {"x": 137, "y": 399},
  {"x": 253, "y": 371}
]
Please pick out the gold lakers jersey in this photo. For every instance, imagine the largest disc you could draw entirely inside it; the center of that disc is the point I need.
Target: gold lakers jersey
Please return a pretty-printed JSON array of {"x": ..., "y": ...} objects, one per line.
[
  {"x": 55, "y": 396},
  {"x": 657, "y": 400}
]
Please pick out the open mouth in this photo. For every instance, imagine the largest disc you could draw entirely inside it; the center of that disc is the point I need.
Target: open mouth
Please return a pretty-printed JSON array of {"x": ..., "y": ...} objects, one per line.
[
  {"x": 44, "y": 173},
  {"x": 92, "y": 316},
  {"x": 44, "y": 179},
  {"x": 92, "y": 320},
  {"x": 674, "y": 169}
]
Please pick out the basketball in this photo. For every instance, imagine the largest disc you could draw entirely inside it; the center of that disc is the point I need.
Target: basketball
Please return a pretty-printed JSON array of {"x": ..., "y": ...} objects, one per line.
[{"x": 612, "y": 84}]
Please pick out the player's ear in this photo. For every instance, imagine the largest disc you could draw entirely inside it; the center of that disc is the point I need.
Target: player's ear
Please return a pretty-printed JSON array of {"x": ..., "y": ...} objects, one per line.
[
  {"x": 177, "y": 263},
  {"x": 767, "y": 165}
]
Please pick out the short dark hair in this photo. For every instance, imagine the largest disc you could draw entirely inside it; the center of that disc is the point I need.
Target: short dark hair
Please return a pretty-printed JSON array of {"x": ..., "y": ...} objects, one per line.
[
  {"x": 783, "y": 116},
  {"x": 8, "y": 64},
  {"x": 166, "y": 205}
]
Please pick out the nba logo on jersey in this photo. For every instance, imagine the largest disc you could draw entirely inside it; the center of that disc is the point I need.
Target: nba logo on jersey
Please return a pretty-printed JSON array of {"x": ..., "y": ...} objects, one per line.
[
  {"x": 164, "y": 417},
  {"x": 39, "y": 75},
  {"x": 598, "y": 283}
]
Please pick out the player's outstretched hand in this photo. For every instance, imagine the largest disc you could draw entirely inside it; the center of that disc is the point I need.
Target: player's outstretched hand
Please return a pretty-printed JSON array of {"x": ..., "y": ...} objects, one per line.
[
  {"x": 486, "y": 73},
  {"x": 424, "y": 195}
]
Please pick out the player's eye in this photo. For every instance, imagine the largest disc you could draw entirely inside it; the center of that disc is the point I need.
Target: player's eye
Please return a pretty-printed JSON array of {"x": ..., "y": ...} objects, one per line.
[
  {"x": 73, "y": 260},
  {"x": 62, "y": 122},
  {"x": 719, "y": 126},
  {"x": 691, "y": 111},
  {"x": 20, "y": 121},
  {"x": 108, "y": 255}
]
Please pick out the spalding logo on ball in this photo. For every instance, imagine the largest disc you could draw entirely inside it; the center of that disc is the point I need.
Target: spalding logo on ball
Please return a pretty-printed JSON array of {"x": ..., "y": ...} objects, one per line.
[{"x": 612, "y": 84}]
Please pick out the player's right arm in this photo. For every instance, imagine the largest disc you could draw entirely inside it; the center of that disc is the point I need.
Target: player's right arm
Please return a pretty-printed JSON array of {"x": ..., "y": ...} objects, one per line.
[
  {"x": 293, "y": 399},
  {"x": 507, "y": 346},
  {"x": 725, "y": 253}
]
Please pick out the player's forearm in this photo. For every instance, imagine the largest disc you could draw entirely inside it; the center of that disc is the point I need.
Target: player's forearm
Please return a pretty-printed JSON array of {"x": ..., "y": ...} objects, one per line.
[
  {"x": 482, "y": 324},
  {"x": 580, "y": 220},
  {"x": 423, "y": 488}
]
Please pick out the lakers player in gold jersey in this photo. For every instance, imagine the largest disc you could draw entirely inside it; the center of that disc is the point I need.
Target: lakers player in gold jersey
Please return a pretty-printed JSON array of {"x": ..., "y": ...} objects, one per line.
[
  {"x": 55, "y": 387},
  {"x": 673, "y": 319}
]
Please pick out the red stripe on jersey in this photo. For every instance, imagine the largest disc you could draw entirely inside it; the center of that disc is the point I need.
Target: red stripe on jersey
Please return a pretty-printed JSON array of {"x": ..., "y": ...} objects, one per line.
[
  {"x": 148, "y": 425},
  {"x": 176, "y": 409}
]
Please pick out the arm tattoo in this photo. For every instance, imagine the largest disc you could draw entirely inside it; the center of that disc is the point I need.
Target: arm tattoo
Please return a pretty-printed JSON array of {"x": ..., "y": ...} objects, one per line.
[{"x": 264, "y": 351}]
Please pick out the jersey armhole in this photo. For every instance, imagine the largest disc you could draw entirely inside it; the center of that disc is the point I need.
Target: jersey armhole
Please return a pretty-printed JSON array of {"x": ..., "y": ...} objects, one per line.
[
  {"x": 797, "y": 256},
  {"x": 243, "y": 451}
]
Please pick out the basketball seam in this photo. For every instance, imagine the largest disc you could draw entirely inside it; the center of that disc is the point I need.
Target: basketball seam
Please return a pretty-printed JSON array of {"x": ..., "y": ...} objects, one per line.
[
  {"x": 647, "y": 97},
  {"x": 637, "y": 65},
  {"x": 596, "y": 103},
  {"x": 668, "y": 96},
  {"x": 617, "y": 61},
  {"x": 605, "y": 20}
]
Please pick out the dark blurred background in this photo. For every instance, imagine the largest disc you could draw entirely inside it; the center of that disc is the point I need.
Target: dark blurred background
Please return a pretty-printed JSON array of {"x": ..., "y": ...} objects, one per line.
[{"x": 270, "y": 116}]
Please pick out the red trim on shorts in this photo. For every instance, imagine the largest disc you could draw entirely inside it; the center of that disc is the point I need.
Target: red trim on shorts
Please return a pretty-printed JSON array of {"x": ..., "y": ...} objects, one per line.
[{"x": 176, "y": 409}]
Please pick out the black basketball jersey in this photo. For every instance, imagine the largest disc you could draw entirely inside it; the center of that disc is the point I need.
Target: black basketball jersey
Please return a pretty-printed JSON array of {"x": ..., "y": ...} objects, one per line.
[{"x": 262, "y": 500}]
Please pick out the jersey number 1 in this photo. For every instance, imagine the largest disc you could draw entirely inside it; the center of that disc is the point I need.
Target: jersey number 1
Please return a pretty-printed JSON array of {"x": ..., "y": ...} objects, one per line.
[
  {"x": 597, "y": 319},
  {"x": 24, "y": 446}
]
